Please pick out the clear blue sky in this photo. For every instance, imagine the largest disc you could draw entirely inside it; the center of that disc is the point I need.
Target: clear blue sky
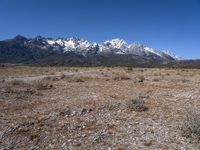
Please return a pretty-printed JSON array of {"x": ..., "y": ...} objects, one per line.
[{"x": 160, "y": 24}]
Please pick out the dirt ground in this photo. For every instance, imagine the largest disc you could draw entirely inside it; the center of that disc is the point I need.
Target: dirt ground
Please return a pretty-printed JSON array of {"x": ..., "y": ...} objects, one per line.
[{"x": 88, "y": 108}]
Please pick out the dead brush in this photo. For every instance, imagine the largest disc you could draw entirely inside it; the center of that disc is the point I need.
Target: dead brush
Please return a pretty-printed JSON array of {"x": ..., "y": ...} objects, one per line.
[
  {"x": 185, "y": 80},
  {"x": 42, "y": 85},
  {"x": 130, "y": 69},
  {"x": 144, "y": 95},
  {"x": 77, "y": 79},
  {"x": 122, "y": 77},
  {"x": 156, "y": 80},
  {"x": 62, "y": 76},
  {"x": 190, "y": 126},
  {"x": 136, "y": 104},
  {"x": 16, "y": 83},
  {"x": 139, "y": 79},
  {"x": 17, "y": 89}
]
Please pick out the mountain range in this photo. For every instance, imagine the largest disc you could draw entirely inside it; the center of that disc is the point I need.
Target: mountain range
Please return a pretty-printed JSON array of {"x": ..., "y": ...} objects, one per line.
[{"x": 80, "y": 52}]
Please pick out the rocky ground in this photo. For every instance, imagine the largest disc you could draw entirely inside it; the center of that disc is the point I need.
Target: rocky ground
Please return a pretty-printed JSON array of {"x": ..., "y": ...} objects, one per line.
[{"x": 89, "y": 108}]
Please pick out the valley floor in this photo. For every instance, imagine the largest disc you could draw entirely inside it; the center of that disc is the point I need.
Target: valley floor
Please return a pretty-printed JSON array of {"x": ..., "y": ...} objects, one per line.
[{"x": 90, "y": 108}]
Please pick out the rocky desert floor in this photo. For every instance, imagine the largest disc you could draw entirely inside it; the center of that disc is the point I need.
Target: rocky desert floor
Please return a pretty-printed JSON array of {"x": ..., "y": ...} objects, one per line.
[{"x": 102, "y": 108}]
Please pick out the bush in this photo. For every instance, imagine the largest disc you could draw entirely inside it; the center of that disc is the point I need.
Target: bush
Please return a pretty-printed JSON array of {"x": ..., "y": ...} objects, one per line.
[
  {"x": 122, "y": 77},
  {"x": 41, "y": 85},
  {"x": 191, "y": 124},
  {"x": 185, "y": 80},
  {"x": 137, "y": 105},
  {"x": 79, "y": 80},
  {"x": 130, "y": 69},
  {"x": 155, "y": 79},
  {"x": 139, "y": 79},
  {"x": 62, "y": 76},
  {"x": 17, "y": 89},
  {"x": 17, "y": 83}
]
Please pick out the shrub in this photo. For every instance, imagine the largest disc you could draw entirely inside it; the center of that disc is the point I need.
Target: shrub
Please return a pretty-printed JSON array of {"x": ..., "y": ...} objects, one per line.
[
  {"x": 191, "y": 124},
  {"x": 41, "y": 85},
  {"x": 79, "y": 80},
  {"x": 62, "y": 76},
  {"x": 141, "y": 79},
  {"x": 17, "y": 83},
  {"x": 137, "y": 105},
  {"x": 144, "y": 95},
  {"x": 157, "y": 74},
  {"x": 130, "y": 69},
  {"x": 185, "y": 80},
  {"x": 155, "y": 79},
  {"x": 17, "y": 89},
  {"x": 122, "y": 77}
]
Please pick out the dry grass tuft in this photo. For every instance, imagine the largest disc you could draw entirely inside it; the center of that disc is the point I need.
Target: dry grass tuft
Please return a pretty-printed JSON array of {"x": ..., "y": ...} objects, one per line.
[
  {"x": 78, "y": 79},
  {"x": 62, "y": 76},
  {"x": 17, "y": 89},
  {"x": 122, "y": 77},
  {"x": 139, "y": 79},
  {"x": 190, "y": 127},
  {"x": 137, "y": 105},
  {"x": 130, "y": 69},
  {"x": 41, "y": 85},
  {"x": 17, "y": 83},
  {"x": 156, "y": 80}
]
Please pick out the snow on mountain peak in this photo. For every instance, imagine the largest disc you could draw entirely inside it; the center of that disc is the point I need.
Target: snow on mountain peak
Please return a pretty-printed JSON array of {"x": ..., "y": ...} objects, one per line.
[
  {"x": 152, "y": 51},
  {"x": 172, "y": 55},
  {"x": 114, "y": 46},
  {"x": 116, "y": 43}
]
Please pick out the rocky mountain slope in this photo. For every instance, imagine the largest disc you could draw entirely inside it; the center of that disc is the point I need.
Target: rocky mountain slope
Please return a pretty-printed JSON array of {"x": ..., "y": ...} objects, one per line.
[{"x": 75, "y": 51}]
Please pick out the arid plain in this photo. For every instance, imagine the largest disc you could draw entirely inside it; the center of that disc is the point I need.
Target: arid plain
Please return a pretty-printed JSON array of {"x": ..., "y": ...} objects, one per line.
[{"x": 99, "y": 108}]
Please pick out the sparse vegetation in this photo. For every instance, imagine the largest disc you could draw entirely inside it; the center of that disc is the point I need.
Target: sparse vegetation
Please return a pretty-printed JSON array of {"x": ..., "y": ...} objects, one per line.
[
  {"x": 130, "y": 69},
  {"x": 156, "y": 80},
  {"x": 79, "y": 79},
  {"x": 121, "y": 77},
  {"x": 62, "y": 76},
  {"x": 17, "y": 89},
  {"x": 139, "y": 79},
  {"x": 157, "y": 74},
  {"x": 137, "y": 105},
  {"x": 41, "y": 85},
  {"x": 191, "y": 124},
  {"x": 90, "y": 107},
  {"x": 185, "y": 80},
  {"x": 17, "y": 83}
]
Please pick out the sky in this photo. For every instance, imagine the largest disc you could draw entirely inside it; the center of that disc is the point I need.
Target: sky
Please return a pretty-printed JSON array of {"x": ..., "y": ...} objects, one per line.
[{"x": 161, "y": 24}]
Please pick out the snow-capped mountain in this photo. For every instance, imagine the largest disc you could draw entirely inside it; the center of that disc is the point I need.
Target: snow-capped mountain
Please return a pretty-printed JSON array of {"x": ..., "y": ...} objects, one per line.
[
  {"x": 85, "y": 48},
  {"x": 169, "y": 53},
  {"x": 39, "y": 48}
]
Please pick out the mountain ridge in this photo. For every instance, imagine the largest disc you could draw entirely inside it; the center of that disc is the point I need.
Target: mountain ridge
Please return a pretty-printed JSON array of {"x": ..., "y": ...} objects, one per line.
[
  {"x": 81, "y": 46},
  {"x": 78, "y": 51}
]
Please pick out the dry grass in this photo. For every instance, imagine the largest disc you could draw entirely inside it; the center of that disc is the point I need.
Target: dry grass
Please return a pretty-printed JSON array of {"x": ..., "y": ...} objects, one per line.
[
  {"x": 42, "y": 85},
  {"x": 156, "y": 80},
  {"x": 130, "y": 69},
  {"x": 137, "y": 105},
  {"x": 139, "y": 79},
  {"x": 121, "y": 77},
  {"x": 62, "y": 76},
  {"x": 97, "y": 108},
  {"x": 191, "y": 124}
]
